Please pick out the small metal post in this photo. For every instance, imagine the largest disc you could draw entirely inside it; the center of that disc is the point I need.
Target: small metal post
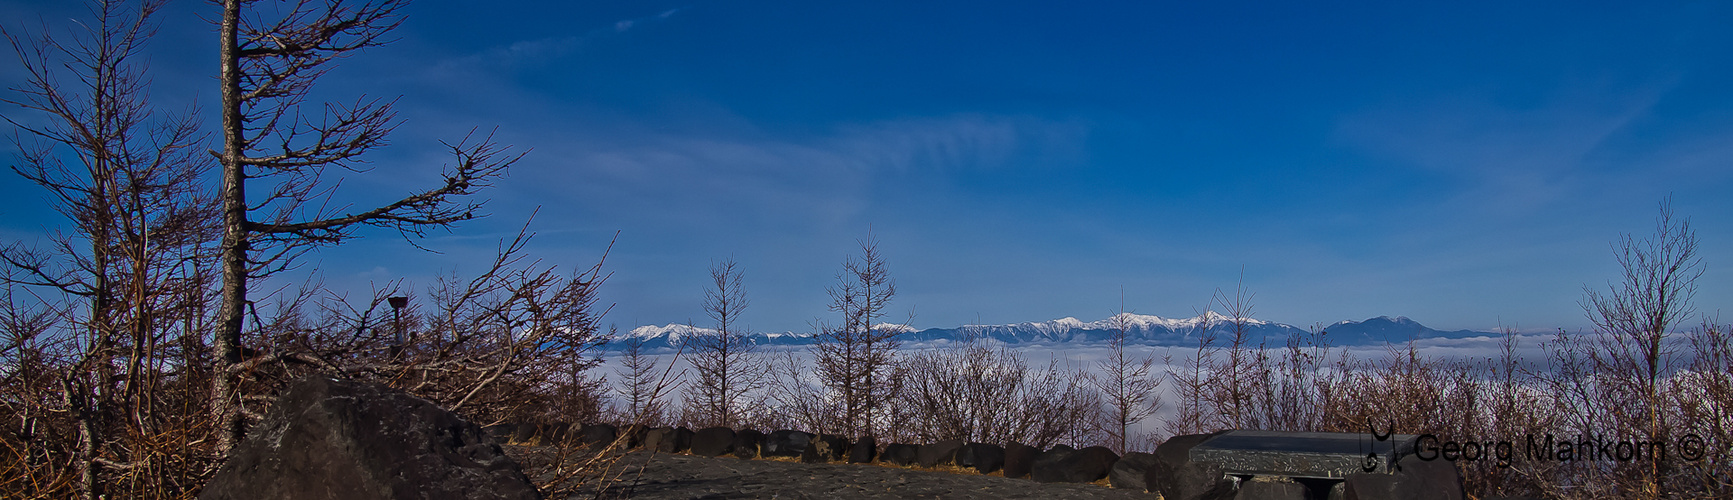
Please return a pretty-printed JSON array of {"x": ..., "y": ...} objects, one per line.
[{"x": 397, "y": 305}]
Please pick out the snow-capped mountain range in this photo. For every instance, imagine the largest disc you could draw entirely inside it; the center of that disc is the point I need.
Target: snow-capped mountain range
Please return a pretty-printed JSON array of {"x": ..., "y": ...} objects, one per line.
[{"x": 1140, "y": 329}]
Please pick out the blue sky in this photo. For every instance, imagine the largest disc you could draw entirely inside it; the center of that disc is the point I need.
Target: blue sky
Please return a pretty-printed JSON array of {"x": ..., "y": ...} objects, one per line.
[{"x": 1460, "y": 163}]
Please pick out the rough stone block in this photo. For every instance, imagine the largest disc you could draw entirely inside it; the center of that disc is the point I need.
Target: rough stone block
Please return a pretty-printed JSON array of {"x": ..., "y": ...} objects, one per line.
[
  {"x": 1081, "y": 466},
  {"x": 713, "y": 441},
  {"x": 1170, "y": 457},
  {"x": 1131, "y": 471},
  {"x": 1019, "y": 458},
  {"x": 1045, "y": 469},
  {"x": 747, "y": 443},
  {"x": 598, "y": 435},
  {"x": 786, "y": 443},
  {"x": 682, "y": 440},
  {"x": 863, "y": 451},
  {"x": 825, "y": 448},
  {"x": 1412, "y": 478},
  {"x": 1202, "y": 481},
  {"x": 501, "y": 433},
  {"x": 942, "y": 452},
  {"x": 635, "y": 435},
  {"x": 660, "y": 439},
  {"x": 554, "y": 434},
  {"x": 524, "y": 434},
  {"x": 901, "y": 454},
  {"x": 984, "y": 458}
]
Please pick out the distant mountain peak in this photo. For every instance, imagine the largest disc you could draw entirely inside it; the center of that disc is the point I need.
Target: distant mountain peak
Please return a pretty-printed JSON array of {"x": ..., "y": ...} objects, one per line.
[{"x": 1139, "y": 328}]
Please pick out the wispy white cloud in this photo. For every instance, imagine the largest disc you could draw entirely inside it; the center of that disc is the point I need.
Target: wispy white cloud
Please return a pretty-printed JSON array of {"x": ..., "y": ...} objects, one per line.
[
  {"x": 1573, "y": 159},
  {"x": 825, "y": 178},
  {"x": 1539, "y": 153},
  {"x": 527, "y": 52},
  {"x": 627, "y": 24}
]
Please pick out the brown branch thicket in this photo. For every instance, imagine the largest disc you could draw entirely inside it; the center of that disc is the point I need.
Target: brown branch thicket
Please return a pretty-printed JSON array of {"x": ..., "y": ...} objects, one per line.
[
  {"x": 979, "y": 392},
  {"x": 513, "y": 344},
  {"x": 799, "y": 401},
  {"x": 102, "y": 347}
]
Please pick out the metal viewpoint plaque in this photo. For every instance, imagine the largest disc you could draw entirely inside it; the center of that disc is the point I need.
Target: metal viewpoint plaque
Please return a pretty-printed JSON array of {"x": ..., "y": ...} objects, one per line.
[{"x": 1303, "y": 454}]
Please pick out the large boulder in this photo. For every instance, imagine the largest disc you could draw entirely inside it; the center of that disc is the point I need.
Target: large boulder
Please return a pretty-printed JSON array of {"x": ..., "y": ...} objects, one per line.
[
  {"x": 1411, "y": 478},
  {"x": 942, "y": 452},
  {"x": 331, "y": 439},
  {"x": 1019, "y": 458},
  {"x": 901, "y": 454},
  {"x": 1131, "y": 471},
  {"x": 863, "y": 451},
  {"x": 598, "y": 435},
  {"x": 747, "y": 442},
  {"x": 786, "y": 443},
  {"x": 984, "y": 458},
  {"x": 1087, "y": 465},
  {"x": 713, "y": 441},
  {"x": 825, "y": 448}
]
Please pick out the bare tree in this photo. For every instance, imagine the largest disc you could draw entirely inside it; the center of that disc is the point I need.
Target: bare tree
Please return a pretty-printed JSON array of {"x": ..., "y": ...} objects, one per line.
[
  {"x": 855, "y": 356},
  {"x": 271, "y": 56},
  {"x": 1234, "y": 386},
  {"x": 1127, "y": 384},
  {"x": 728, "y": 367},
  {"x": 1191, "y": 385},
  {"x": 1636, "y": 316},
  {"x": 140, "y": 219},
  {"x": 639, "y": 385}
]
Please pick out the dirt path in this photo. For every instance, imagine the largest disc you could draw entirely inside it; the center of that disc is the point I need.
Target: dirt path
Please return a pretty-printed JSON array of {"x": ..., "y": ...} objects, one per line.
[{"x": 693, "y": 477}]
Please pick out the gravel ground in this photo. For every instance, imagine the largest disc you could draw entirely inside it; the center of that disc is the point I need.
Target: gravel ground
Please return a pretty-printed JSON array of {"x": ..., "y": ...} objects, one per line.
[{"x": 692, "y": 477}]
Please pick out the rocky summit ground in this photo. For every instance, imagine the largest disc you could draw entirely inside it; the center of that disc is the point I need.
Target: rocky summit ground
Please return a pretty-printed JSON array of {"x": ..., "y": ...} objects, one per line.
[{"x": 663, "y": 476}]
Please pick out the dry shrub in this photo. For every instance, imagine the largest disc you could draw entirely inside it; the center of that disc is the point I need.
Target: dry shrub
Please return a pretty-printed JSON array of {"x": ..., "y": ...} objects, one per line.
[
  {"x": 979, "y": 392},
  {"x": 573, "y": 468}
]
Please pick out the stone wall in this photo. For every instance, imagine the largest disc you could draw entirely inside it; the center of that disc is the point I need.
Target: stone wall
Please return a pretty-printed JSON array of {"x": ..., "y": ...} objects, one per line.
[{"x": 1170, "y": 471}]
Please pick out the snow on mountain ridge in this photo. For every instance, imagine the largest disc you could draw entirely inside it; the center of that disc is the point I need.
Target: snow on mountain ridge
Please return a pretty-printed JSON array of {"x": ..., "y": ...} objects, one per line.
[
  {"x": 673, "y": 332},
  {"x": 1133, "y": 321},
  {"x": 1140, "y": 328}
]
